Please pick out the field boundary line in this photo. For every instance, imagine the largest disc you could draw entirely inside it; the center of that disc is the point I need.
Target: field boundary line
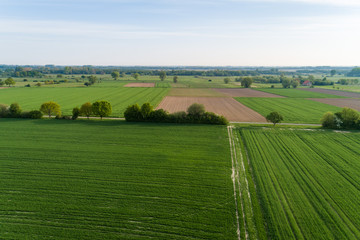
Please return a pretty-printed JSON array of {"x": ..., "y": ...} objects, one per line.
[{"x": 233, "y": 177}]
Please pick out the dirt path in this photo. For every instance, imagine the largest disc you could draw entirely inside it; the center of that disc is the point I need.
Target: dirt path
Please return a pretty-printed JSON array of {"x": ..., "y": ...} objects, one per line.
[{"x": 234, "y": 176}]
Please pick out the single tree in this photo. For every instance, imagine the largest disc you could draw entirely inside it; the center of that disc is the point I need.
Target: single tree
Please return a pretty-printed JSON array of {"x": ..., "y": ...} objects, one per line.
[
  {"x": 86, "y": 109},
  {"x": 175, "y": 79},
  {"x": 92, "y": 79},
  {"x": 196, "y": 110},
  {"x": 246, "y": 82},
  {"x": 274, "y": 117},
  {"x": 101, "y": 108},
  {"x": 49, "y": 108},
  {"x": 332, "y": 72},
  {"x": 115, "y": 75},
  {"x": 135, "y": 76},
  {"x": 10, "y": 81},
  {"x": 162, "y": 75},
  {"x": 286, "y": 82},
  {"x": 75, "y": 113},
  {"x": 14, "y": 110},
  {"x": 1, "y": 82},
  {"x": 226, "y": 80},
  {"x": 146, "y": 110},
  {"x": 294, "y": 83}
]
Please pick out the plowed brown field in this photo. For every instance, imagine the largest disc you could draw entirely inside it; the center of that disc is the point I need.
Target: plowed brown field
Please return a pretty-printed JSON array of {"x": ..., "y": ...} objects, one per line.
[
  {"x": 140, "y": 85},
  {"x": 246, "y": 92},
  {"x": 340, "y": 102},
  {"x": 227, "y": 107},
  {"x": 333, "y": 92},
  {"x": 195, "y": 92}
]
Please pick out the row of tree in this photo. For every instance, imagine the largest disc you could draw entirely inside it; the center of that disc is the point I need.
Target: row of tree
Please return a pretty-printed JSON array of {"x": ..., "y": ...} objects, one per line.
[
  {"x": 14, "y": 111},
  {"x": 347, "y": 118},
  {"x": 196, "y": 113}
]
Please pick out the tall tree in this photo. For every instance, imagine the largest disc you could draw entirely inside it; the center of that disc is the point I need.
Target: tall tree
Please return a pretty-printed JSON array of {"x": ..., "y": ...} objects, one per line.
[
  {"x": 135, "y": 76},
  {"x": 86, "y": 109},
  {"x": 101, "y": 108},
  {"x": 246, "y": 82},
  {"x": 50, "y": 108},
  {"x": 332, "y": 72},
  {"x": 175, "y": 79},
  {"x": 115, "y": 75},
  {"x": 162, "y": 75},
  {"x": 10, "y": 81},
  {"x": 274, "y": 117}
]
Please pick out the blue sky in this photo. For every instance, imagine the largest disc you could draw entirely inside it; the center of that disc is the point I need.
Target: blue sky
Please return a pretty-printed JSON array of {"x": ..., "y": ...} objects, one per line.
[{"x": 173, "y": 32}]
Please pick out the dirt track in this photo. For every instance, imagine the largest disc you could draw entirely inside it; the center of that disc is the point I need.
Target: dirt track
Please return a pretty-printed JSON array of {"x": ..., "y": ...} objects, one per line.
[
  {"x": 340, "y": 102},
  {"x": 332, "y": 92},
  {"x": 227, "y": 107},
  {"x": 140, "y": 85},
  {"x": 245, "y": 92}
]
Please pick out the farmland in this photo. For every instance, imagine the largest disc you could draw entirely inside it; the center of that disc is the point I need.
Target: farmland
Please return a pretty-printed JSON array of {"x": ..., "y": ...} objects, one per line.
[
  {"x": 114, "y": 180},
  {"x": 298, "y": 93},
  {"x": 333, "y": 92},
  {"x": 227, "y": 107},
  {"x": 350, "y": 103},
  {"x": 307, "y": 182},
  {"x": 68, "y": 98},
  {"x": 294, "y": 110}
]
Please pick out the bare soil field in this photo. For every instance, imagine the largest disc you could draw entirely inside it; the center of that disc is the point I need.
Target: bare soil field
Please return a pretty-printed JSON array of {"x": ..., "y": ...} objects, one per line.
[
  {"x": 3, "y": 87},
  {"x": 333, "y": 92},
  {"x": 227, "y": 107},
  {"x": 195, "y": 92},
  {"x": 340, "y": 102},
  {"x": 140, "y": 85},
  {"x": 246, "y": 92}
]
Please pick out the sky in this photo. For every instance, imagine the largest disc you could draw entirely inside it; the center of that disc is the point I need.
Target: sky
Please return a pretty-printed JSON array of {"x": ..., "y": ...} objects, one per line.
[{"x": 180, "y": 32}]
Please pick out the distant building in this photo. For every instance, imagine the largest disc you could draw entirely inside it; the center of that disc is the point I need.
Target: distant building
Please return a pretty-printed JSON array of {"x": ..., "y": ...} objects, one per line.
[{"x": 307, "y": 83}]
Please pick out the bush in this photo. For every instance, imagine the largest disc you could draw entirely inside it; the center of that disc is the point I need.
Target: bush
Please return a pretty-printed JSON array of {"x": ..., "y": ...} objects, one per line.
[
  {"x": 75, "y": 113},
  {"x": 25, "y": 114},
  {"x": 159, "y": 115},
  {"x": 348, "y": 117},
  {"x": 146, "y": 110},
  {"x": 35, "y": 114},
  {"x": 195, "y": 110},
  {"x": 133, "y": 113},
  {"x": 329, "y": 120},
  {"x": 178, "y": 117},
  {"x": 3, "y": 110},
  {"x": 14, "y": 110}
]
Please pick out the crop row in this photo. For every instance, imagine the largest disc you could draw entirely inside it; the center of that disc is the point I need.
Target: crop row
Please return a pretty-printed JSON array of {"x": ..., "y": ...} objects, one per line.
[{"x": 307, "y": 182}]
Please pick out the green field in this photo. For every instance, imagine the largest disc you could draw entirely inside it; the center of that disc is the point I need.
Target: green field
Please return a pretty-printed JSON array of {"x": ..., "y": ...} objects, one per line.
[
  {"x": 308, "y": 182},
  {"x": 70, "y": 97},
  {"x": 294, "y": 110},
  {"x": 114, "y": 180},
  {"x": 296, "y": 93}
]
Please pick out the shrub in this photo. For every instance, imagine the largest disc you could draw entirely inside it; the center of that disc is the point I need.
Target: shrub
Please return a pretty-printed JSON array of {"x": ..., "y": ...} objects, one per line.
[
  {"x": 159, "y": 115},
  {"x": 146, "y": 110},
  {"x": 14, "y": 110},
  {"x": 3, "y": 110},
  {"x": 226, "y": 80},
  {"x": 178, "y": 117},
  {"x": 195, "y": 110},
  {"x": 348, "y": 117},
  {"x": 133, "y": 113},
  {"x": 75, "y": 113},
  {"x": 329, "y": 120},
  {"x": 25, "y": 114},
  {"x": 35, "y": 114}
]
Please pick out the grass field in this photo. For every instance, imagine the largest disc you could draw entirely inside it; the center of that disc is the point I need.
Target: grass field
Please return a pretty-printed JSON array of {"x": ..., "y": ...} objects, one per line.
[
  {"x": 114, "y": 180},
  {"x": 308, "y": 182},
  {"x": 68, "y": 98},
  {"x": 294, "y": 110},
  {"x": 296, "y": 93}
]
